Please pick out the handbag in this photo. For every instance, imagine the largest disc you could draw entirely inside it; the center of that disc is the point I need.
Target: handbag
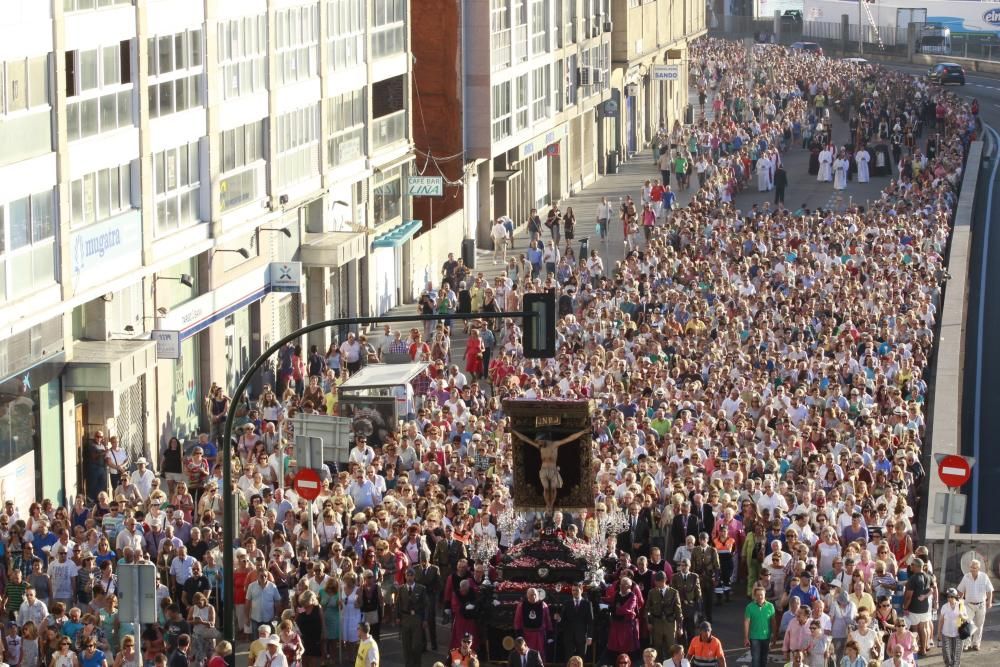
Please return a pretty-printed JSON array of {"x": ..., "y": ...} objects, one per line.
[{"x": 966, "y": 628}]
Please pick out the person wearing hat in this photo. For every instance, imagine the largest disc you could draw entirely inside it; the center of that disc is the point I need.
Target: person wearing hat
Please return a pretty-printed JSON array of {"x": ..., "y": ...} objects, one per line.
[
  {"x": 272, "y": 655},
  {"x": 142, "y": 478},
  {"x": 464, "y": 654},
  {"x": 951, "y": 616},
  {"x": 412, "y": 616},
  {"x": 706, "y": 650}
]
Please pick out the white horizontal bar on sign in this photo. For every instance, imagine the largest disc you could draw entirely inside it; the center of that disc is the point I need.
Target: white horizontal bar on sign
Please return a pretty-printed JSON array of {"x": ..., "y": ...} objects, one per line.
[{"x": 948, "y": 470}]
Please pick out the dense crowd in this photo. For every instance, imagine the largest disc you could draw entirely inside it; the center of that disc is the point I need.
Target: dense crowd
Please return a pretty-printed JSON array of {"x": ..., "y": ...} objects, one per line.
[{"x": 759, "y": 387}]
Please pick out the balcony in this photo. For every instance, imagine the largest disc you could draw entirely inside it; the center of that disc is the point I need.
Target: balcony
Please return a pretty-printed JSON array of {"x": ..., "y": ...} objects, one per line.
[
  {"x": 500, "y": 46},
  {"x": 388, "y": 130},
  {"x": 520, "y": 44},
  {"x": 389, "y": 41}
]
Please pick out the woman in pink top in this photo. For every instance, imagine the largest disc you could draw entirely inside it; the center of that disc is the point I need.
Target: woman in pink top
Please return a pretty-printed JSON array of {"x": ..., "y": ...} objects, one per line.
[{"x": 902, "y": 637}]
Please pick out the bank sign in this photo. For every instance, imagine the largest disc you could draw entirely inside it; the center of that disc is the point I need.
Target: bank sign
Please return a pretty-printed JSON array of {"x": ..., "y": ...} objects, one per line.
[
  {"x": 425, "y": 186},
  {"x": 106, "y": 250}
]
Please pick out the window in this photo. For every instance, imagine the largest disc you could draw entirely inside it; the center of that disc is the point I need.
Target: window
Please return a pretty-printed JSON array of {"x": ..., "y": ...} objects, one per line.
[
  {"x": 242, "y": 156},
  {"x": 98, "y": 90},
  {"x": 540, "y": 93},
  {"x": 27, "y": 249},
  {"x": 387, "y": 203},
  {"x": 521, "y": 86},
  {"x": 175, "y": 69},
  {"x": 539, "y": 27},
  {"x": 389, "y": 28},
  {"x": 570, "y": 80},
  {"x": 25, "y": 84},
  {"x": 100, "y": 195},
  {"x": 176, "y": 187},
  {"x": 297, "y": 42},
  {"x": 500, "y": 35},
  {"x": 83, "y": 5},
  {"x": 297, "y": 134},
  {"x": 346, "y": 33},
  {"x": 243, "y": 55},
  {"x": 389, "y": 123},
  {"x": 501, "y": 111},
  {"x": 346, "y": 119}
]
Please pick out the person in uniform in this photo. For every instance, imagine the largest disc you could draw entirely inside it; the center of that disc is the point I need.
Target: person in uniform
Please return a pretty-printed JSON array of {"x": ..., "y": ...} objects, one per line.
[
  {"x": 463, "y": 655},
  {"x": 411, "y": 612},
  {"x": 688, "y": 587},
  {"x": 429, "y": 576},
  {"x": 705, "y": 563},
  {"x": 664, "y": 614}
]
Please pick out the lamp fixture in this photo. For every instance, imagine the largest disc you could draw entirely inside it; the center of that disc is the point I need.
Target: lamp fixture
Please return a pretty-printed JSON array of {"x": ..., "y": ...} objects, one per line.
[
  {"x": 185, "y": 279},
  {"x": 283, "y": 230},
  {"x": 244, "y": 253}
]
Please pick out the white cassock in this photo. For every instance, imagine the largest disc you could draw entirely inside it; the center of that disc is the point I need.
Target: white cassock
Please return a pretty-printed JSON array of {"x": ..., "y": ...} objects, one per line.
[
  {"x": 840, "y": 167},
  {"x": 825, "y": 161},
  {"x": 764, "y": 174},
  {"x": 863, "y": 158}
]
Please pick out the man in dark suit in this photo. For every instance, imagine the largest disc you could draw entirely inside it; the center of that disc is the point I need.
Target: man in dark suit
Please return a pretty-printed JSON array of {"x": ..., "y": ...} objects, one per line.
[
  {"x": 448, "y": 551},
  {"x": 635, "y": 539},
  {"x": 411, "y": 613},
  {"x": 780, "y": 183},
  {"x": 703, "y": 512},
  {"x": 429, "y": 576},
  {"x": 576, "y": 621},
  {"x": 522, "y": 656},
  {"x": 684, "y": 524}
]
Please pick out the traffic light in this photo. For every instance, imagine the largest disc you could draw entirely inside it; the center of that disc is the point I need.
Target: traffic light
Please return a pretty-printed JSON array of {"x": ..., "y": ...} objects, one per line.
[{"x": 540, "y": 328}]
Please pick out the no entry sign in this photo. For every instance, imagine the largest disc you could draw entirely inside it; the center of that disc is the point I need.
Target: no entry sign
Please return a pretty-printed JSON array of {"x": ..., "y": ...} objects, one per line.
[
  {"x": 307, "y": 484},
  {"x": 954, "y": 470}
]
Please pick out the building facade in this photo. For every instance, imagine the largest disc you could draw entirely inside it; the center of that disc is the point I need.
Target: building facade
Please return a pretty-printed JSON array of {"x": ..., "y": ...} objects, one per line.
[{"x": 216, "y": 170}]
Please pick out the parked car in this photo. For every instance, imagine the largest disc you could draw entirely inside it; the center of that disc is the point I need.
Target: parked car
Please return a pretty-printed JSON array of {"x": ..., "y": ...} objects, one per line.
[
  {"x": 811, "y": 47},
  {"x": 943, "y": 73}
]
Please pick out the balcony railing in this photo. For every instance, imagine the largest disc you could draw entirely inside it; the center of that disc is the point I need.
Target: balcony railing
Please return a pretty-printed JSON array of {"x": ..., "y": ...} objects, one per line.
[
  {"x": 500, "y": 44},
  {"x": 388, "y": 129}
]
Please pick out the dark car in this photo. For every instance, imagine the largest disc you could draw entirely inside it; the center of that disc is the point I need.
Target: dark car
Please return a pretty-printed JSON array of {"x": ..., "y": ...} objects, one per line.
[
  {"x": 792, "y": 17},
  {"x": 943, "y": 73},
  {"x": 811, "y": 47}
]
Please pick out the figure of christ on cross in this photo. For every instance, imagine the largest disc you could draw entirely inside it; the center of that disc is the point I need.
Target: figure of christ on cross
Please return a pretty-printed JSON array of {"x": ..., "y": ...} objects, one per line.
[{"x": 548, "y": 474}]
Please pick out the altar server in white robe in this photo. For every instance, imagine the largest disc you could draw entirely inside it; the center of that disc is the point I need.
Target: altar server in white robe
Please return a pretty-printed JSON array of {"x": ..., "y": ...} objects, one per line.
[
  {"x": 825, "y": 165},
  {"x": 764, "y": 173},
  {"x": 862, "y": 158},
  {"x": 840, "y": 167}
]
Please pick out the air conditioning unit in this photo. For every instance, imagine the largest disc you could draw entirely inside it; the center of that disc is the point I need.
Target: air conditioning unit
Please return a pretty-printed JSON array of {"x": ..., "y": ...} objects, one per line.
[
  {"x": 608, "y": 25},
  {"x": 598, "y": 76},
  {"x": 583, "y": 76}
]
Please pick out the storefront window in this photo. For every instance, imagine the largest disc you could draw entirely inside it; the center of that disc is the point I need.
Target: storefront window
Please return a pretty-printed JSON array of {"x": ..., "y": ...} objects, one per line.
[{"x": 388, "y": 203}]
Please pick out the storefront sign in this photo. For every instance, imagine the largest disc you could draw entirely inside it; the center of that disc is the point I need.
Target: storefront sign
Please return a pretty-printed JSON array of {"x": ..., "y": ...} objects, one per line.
[
  {"x": 539, "y": 143},
  {"x": 286, "y": 277},
  {"x": 425, "y": 186},
  {"x": 106, "y": 250},
  {"x": 666, "y": 72},
  {"x": 168, "y": 344},
  {"x": 552, "y": 150}
]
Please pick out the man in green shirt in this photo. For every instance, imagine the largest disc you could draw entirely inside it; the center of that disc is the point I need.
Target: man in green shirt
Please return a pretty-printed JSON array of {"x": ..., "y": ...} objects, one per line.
[{"x": 759, "y": 627}]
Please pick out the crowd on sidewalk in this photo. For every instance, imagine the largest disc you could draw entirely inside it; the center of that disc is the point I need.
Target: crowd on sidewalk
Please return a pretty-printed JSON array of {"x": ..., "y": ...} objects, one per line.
[{"x": 759, "y": 388}]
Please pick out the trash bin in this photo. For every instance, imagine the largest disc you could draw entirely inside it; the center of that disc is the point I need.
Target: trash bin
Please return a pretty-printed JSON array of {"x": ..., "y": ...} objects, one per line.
[
  {"x": 612, "y": 165},
  {"x": 469, "y": 252},
  {"x": 584, "y": 247}
]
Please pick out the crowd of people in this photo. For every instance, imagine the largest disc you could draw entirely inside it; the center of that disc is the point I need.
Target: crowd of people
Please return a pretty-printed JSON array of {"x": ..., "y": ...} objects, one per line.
[{"x": 758, "y": 382}]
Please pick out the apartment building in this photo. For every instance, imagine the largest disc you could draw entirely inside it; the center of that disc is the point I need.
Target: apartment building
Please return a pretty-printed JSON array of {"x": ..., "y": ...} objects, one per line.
[
  {"x": 516, "y": 87},
  {"x": 649, "y": 59},
  {"x": 217, "y": 171}
]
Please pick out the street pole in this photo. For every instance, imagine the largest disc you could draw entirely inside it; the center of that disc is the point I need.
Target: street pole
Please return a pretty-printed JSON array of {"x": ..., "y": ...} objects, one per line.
[
  {"x": 947, "y": 536},
  {"x": 229, "y": 526}
]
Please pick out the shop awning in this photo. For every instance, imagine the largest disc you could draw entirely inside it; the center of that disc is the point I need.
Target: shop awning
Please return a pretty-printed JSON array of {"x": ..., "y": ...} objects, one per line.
[
  {"x": 332, "y": 248},
  {"x": 108, "y": 365},
  {"x": 399, "y": 235}
]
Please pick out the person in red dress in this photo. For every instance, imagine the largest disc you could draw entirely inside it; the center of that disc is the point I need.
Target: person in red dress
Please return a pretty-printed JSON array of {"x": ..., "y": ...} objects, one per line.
[
  {"x": 474, "y": 355},
  {"x": 623, "y": 636},
  {"x": 533, "y": 621},
  {"x": 463, "y": 613}
]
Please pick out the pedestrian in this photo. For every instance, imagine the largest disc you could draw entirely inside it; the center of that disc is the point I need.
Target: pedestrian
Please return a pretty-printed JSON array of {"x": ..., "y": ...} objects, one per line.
[
  {"x": 604, "y": 213},
  {"x": 977, "y": 593},
  {"x": 576, "y": 623},
  {"x": 523, "y": 656},
  {"x": 759, "y": 627},
  {"x": 664, "y": 614},
  {"x": 706, "y": 650},
  {"x": 951, "y": 615},
  {"x": 780, "y": 183},
  {"x": 411, "y": 615}
]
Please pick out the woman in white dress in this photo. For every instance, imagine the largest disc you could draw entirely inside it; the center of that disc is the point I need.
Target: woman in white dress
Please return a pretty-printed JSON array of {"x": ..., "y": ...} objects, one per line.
[
  {"x": 350, "y": 609},
  {"x": 862, "y": 158}
]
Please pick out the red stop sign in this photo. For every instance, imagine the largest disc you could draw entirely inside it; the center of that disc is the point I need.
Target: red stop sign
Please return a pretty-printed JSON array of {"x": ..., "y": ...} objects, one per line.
[
  {"x": 307, "y": 484},
  {"x": 954, "y": 471}
]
